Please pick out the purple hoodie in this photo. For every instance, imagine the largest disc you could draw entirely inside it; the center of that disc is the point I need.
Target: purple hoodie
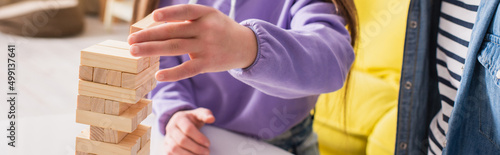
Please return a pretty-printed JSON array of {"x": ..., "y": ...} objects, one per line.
[{"x": 303, "y": 50}]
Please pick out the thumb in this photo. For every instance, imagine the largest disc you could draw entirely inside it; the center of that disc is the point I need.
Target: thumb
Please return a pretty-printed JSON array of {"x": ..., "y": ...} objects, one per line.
[
  {"x": 204, "y": 115},
  {"x": 183, "y": 71}
]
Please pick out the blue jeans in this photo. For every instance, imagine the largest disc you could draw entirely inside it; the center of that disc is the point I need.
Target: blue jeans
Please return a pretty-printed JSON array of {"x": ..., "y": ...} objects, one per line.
[{"x": 299, "y": 140}]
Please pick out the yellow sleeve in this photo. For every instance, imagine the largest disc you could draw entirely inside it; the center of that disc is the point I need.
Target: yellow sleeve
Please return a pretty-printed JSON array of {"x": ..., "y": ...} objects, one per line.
[{"x": 366, "y": 123}]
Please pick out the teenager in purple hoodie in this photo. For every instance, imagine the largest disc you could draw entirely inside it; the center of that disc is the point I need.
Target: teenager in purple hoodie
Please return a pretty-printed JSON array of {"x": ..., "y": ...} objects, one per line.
[{"x": 254, "y": 67}]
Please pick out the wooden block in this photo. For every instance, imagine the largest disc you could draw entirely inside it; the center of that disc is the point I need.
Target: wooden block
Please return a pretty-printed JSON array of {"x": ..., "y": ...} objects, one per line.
[
  {"x": 153, "y": 60},
  {"x": 83, "y": 102},
  {"x": 111, "y": 92},
  {"x": 86, "y": 73},
  {"x": 133, "y": 81},
  {"x": 144, "y": 132},
  {"x": 115, "y": 107},
  {"x": 113, "y": 59},
  {"x": 96, "y": 133},
  {"x": 149, "y": 85},
  {"x": 100, "y": 75},
  {"x": 115, "y": 44},
  {"x": 83, "y": 153},
  {"x": 97, "y": 105},
  {"x": 143, "y": 89},
  {"x": 106, "y": 135},
  {"x": 144, "y": 23},
  {"x": 126, "y": 46},
  {"x": 145, "y": 150},
  {"x": 114, "y": 136},
  {"x": 130, "y": 145},
  {"x": 114, "y": 78},
  {"x": 149, "y": 110},
  {"x": 154, "y": 83},
  {"x": 146, "y": 62},
  {"x": 126, "y": 122}
]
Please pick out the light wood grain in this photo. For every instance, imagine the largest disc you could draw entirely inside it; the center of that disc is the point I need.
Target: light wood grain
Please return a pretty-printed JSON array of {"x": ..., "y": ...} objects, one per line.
[
  {"x": 96, "y": 133},
  {"x": 144, "y": 23},
  {"x": 144, "y": 132},
  {"x": 106, "y": 135},
  {"x": 97, "y": 105},
  {"x": 154, "y": 83},
  {"x": 130, "y": 145},
  {"x": 149, "y": 85},
  {"x": 114, "y": 78},
  {"x": 124, "y": 45},
  {"x": 113, "y": 59},
  {"x": 100, "y": 75},
  {"x": 133, "y": 81},
  {"x": 126, "y": 122},
  {"x": 111, "y": 92},
  {"x": 115, "y": 107},
  {"x": 115, "y": 44},
  {"x": 153, "y": 60},
  {"x": 86, "y": 73},
  {"x": 146, "y": 149},
  {"x": 83, "y": 153},
  {"x": 83, "y": 102}
]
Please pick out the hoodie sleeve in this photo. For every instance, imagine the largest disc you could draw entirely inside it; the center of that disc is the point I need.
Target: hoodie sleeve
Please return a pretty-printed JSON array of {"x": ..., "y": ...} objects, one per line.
[
  {"x": 312, "y": 57},
  {"x": 170, "y": 97}
]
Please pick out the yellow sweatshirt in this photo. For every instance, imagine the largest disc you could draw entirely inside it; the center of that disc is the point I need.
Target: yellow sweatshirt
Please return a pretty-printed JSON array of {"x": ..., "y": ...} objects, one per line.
[{"x": 366, "y": 123}]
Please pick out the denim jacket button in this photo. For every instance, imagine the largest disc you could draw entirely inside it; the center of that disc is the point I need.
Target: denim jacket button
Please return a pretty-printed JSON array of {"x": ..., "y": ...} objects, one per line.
[
  {"x": 498, "y": 74},
  {"x": 403, "y": 145},
  {"x": 413, "y": 24},
  {"x": 408, "y": 85}
]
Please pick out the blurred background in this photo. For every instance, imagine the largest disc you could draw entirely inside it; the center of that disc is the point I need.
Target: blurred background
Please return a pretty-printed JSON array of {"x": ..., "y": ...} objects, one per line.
[{"x": 48, "y": 35}]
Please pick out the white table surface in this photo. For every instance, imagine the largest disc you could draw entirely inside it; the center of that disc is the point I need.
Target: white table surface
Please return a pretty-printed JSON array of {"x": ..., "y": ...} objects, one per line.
[{"x": 55, "y": 135}]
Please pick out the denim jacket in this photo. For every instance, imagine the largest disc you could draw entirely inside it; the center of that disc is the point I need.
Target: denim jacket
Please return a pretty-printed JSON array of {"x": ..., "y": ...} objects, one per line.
[{"x": 474, "y": 125}]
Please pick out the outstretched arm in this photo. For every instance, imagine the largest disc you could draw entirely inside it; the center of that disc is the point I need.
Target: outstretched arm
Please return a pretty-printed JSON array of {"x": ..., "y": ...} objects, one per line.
[{"x": 312, "y": 57}]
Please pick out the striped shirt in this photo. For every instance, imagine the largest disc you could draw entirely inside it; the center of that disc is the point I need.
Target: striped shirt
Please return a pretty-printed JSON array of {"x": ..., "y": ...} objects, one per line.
[{"x": 455, "y": 28}]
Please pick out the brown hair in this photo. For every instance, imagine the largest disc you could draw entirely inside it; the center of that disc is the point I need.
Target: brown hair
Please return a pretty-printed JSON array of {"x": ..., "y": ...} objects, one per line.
[{"x": 347, "y": 9}]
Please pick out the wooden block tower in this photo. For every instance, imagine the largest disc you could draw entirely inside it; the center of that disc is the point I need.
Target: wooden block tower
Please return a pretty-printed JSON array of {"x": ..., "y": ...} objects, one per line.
[{"x": 110, "y": 98}]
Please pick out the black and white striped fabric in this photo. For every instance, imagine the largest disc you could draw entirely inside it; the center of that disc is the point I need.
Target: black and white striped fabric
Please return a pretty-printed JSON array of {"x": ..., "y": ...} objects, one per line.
[{"x": 455, "y": 28}]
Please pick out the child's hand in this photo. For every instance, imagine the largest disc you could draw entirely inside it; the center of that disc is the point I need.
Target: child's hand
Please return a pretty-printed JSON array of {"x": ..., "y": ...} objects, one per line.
[
  {"x": 183, "y": 134},
  {"x": 213, "y": 41}
]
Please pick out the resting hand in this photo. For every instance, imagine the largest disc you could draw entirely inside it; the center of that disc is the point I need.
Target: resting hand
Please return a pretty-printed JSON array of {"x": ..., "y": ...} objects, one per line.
[{"x": 183, "y": 135}]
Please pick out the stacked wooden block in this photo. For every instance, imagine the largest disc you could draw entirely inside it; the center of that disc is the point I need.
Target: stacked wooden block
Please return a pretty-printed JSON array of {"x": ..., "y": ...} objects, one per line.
[{"x": 110, "y": 99}]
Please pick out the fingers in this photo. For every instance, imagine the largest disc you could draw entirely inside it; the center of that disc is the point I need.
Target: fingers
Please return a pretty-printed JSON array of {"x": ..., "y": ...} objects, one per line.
[
  {"x": 172, "y": 148},
  {"x": 189, "y": 129},
  {"x": 181, "y": 12},
  {"x": 165, "y": 31},
  {"x": 204, "y": 115},
  {"x": 173, "y": 47},
  {"x": 185, "y": 70},
  {"x": 187, "y": 143}
]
